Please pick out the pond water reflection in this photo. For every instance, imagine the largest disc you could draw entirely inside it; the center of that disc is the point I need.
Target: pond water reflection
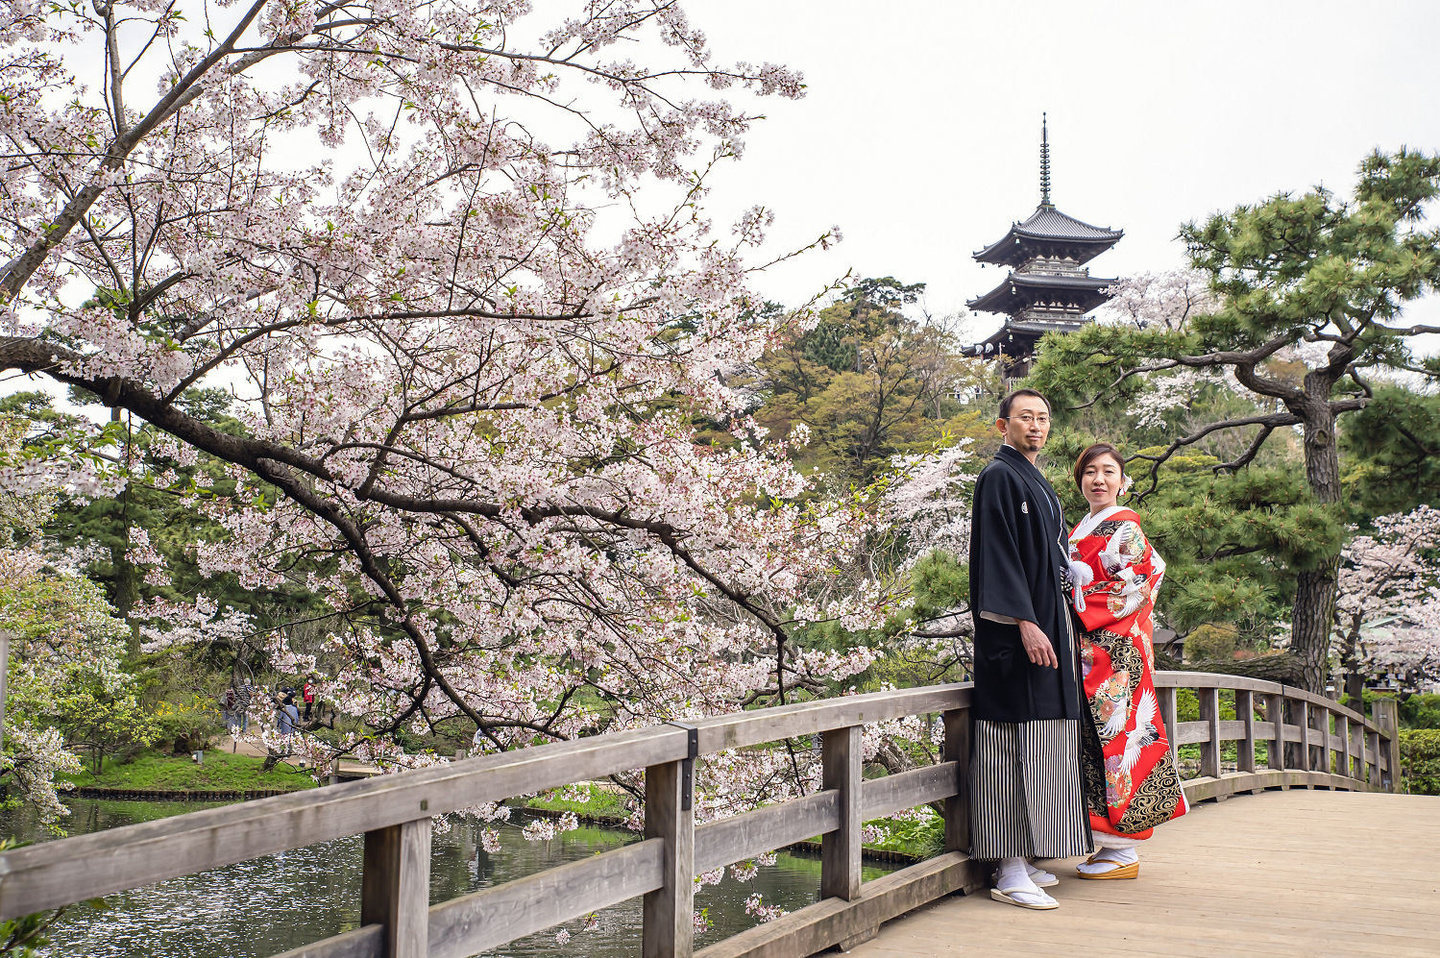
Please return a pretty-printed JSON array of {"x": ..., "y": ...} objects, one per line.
[{"x": 262, "y": 907}]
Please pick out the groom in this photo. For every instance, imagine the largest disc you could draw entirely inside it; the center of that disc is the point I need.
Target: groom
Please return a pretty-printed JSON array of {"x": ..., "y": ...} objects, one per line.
[{"x": 1025, "y": 794}]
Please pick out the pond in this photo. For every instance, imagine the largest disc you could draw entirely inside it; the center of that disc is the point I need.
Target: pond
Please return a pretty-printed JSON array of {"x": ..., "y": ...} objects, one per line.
[{"x": 263, "y": 907}]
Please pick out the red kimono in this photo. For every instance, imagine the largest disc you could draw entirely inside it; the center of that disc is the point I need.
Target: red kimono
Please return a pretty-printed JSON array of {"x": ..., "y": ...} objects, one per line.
[{"x": 1133, "y": 785}]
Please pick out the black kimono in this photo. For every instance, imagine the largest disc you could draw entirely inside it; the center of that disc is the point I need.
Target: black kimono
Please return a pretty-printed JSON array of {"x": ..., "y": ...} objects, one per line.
[
  {"x": 1016, "y": 563},
  {"x": 1025, "y": 776}
]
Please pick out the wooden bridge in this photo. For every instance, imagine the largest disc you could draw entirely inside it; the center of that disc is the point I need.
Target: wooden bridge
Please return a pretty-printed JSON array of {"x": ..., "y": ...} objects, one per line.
[{"x": 1320, "y": 839}]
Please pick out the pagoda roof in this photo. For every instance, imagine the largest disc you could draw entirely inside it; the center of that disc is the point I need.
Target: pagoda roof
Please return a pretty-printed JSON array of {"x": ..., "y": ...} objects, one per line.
[
  {"x": 1019, "y": 290},
  {"x": 1027, "y": 331},
  {"x": 1049, "y": 232}
]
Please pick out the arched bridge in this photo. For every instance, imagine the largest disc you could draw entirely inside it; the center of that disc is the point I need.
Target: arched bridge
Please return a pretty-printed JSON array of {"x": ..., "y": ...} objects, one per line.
[{"x": 1354, "y": 872}]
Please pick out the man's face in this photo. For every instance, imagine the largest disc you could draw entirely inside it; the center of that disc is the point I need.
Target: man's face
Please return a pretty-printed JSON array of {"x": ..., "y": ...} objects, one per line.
[{"x": 1028, "y": 425}]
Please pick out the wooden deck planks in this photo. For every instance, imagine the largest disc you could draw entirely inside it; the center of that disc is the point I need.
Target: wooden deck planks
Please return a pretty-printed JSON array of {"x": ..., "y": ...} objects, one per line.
[{"x": 1281, "y": 873}]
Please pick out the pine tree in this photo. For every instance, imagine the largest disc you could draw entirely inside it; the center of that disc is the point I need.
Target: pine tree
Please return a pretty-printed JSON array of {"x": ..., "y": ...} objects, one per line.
[{"x": 1318, "y": 277}]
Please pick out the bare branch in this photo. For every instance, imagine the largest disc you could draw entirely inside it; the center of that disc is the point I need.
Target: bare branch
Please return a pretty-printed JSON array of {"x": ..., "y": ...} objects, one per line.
[{"x": 1269, "y": 423}]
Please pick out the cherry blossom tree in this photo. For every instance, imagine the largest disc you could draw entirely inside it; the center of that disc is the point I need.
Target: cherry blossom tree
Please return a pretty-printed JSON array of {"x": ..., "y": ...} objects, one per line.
[
  {"x": 1167, "y": 300},
  {"x": 451, "y": 259},
  {"x": 65, "y": 648},
  {"x": 1387, "y": 617}
]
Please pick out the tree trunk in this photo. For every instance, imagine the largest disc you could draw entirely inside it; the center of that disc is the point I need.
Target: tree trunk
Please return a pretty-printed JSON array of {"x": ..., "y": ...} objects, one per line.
[{"x": 1314, "y": 620}]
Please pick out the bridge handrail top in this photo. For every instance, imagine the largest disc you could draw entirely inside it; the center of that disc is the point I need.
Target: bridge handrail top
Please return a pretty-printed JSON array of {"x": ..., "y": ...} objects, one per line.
[{"x": 1244, "y": 683}]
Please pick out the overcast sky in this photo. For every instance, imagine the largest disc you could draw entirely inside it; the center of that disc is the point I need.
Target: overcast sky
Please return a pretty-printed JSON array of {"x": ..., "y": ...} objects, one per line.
[{"x": 920, "y": 132}]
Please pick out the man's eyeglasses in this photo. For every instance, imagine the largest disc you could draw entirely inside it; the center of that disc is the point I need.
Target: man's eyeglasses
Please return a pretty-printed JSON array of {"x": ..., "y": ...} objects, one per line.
[{"x": 1030, "y": 420}]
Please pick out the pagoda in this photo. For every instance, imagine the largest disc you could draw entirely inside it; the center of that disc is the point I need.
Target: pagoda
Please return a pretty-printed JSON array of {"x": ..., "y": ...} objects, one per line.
[{"x": 1049, "y": 287}]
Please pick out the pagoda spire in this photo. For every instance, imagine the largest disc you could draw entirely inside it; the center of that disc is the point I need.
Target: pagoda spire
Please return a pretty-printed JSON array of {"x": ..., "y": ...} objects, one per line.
[
  {"x": 1049, "y": 288},
  {"x": 1045, "y": 165}
]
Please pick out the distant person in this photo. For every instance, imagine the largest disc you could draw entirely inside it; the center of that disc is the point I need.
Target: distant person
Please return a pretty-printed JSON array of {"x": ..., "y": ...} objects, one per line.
[
  {"x": 1132, "y": 785},
  {"x": 244, "y": 695},
  {"x": 307, "y": 695},
  {"x": 289, "y": 715},
  {"x": 228, "y": 700},
  {"x": 1026, "y": 799}
]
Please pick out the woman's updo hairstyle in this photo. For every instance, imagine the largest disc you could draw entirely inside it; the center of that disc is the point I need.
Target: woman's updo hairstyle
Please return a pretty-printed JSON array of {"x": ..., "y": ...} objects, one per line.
[{"x": 1094, "y": 452}]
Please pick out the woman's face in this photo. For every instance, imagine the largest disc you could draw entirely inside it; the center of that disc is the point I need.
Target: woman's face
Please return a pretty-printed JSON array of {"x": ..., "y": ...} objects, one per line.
[{"x": 1100, "y": 481}]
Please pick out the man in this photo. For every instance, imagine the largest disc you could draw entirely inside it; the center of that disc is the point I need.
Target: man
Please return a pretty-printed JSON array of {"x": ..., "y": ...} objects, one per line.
[{"x": 1026, "y": 799}]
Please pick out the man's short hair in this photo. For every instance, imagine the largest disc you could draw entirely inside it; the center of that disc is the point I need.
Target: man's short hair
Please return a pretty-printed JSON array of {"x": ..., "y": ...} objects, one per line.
[{"x": 1009, "y": 400}]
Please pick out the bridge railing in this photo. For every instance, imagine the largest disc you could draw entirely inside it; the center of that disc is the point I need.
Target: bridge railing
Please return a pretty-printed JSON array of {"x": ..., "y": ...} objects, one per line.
[
  {"x": 1308, "y": 740},
  {"x": 394, "y": 812}
]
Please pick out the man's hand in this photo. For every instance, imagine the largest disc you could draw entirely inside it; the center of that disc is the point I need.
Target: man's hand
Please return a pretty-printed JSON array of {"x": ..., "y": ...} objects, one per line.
[{"x": 1037, "y": 645}]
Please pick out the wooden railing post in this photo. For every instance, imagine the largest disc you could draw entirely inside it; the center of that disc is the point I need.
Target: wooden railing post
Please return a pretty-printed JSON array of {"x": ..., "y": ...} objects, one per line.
[
  {"x": 1210, "y": 748},
  {"x": 1355, "y": 745},
  {"x": 1387, "y": 717},
  {"x": 840, "y": 849},
  {"x": 956, "y": 748},
  {"x": 395, "y": 887},
  {"x": 1302, "y": 716},
  {"x": 1342, "y": 729},
  {"x": 1275, "y": 709},
  {"x": 668, "y": 923},
  {"x": 1167, "y": 717},
  {"x": 1245, "y": 712}
]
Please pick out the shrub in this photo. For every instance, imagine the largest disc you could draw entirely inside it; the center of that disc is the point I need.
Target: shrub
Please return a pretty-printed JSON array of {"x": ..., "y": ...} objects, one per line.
[
  {"x": 1420, "y": 761},
  {"x": 1420, "y": 711},
  {"x": 1187, "y": 707},
  {"x": 1211, "y": 643},
  {"x": 187, "y": 722}
]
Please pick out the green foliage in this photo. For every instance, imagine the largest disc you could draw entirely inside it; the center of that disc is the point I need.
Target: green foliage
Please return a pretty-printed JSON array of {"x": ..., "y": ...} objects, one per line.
[
  {"x": 922, "y": 835},
  {"x": 148, "y": 501},
  {"x": 1393, "y": 451},
  {"x": 1072, "y": 368},
  {"x": 221, "y": 771},
  {"x": 26, "y": 936},
  {"x": 68, "y": 691},
  {"x": 62, "y": 613},
  {"x": 867, "y": 383},
  {"x": 1420, "y": 711},
  {"x": 159, "y": 498},
  {"x": 1420, "y": 761},
  {"x": 1210, "y": 642},
  {"x": 100, "y": 713},
  {"x": 187, "y": 722},
  {"x": 939, "y": 582}
]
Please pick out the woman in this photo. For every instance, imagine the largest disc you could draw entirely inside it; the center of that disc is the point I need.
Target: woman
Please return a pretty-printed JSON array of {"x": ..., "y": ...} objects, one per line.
[{"x": 1130, "y": 780}]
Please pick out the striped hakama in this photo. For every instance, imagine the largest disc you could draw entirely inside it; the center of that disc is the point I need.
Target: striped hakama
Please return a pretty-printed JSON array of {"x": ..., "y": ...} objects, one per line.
[{"x": 1025, "y": 794}]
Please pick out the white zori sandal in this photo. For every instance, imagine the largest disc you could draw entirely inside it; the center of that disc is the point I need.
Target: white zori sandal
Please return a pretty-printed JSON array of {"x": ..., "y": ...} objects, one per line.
[
  {"x": 1040, "y": 876},
  {"x": 1014, "y": 886},
  {"x": 1109, "y": 864},
  {"x": 1031, "y": 897}
]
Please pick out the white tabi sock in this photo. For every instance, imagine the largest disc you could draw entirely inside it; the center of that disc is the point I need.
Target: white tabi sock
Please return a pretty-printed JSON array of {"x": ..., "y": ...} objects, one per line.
[{"x": 1013, "y": 874}]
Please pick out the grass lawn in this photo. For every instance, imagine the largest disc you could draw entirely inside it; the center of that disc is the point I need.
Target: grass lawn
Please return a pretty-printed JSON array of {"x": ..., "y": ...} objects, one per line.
[
  {"x": 584, "y": 800},
  {"x": 222, "y": 771}
]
